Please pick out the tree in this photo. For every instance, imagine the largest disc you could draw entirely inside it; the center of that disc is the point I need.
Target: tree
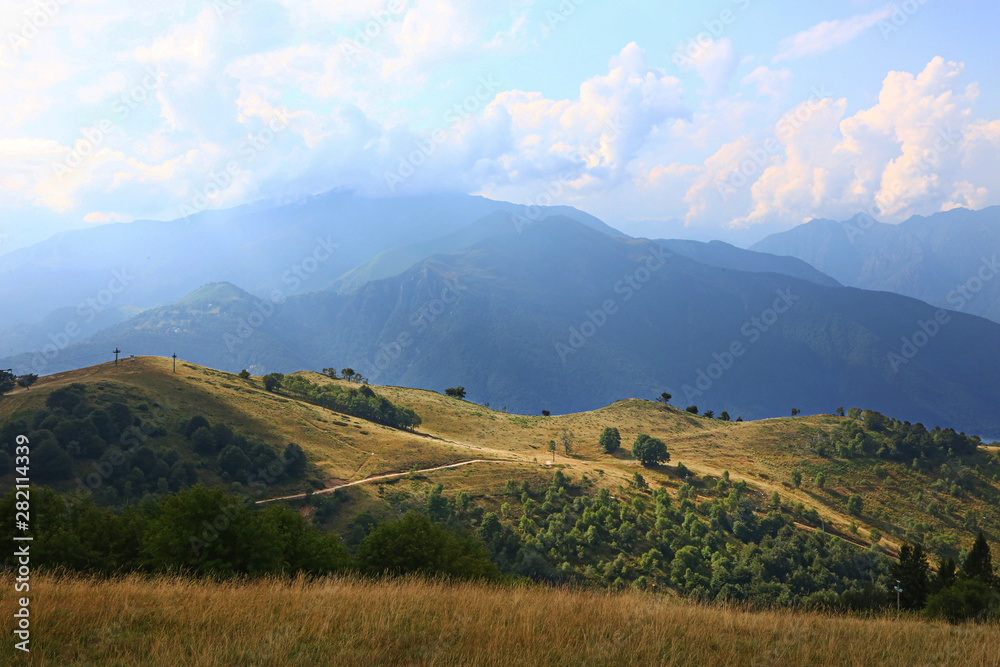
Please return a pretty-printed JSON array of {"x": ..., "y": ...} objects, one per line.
[
  {"x": 455, "y": 392},
  {"x": 416, "y": 545},
  {"x": 840, "y": 412},
  {"x": 650, "y": 451},
  {"x": 911, "y": 572},
  {"x": 546, "y": 413},
  {"x": 875, "y": 535},
  {"x": 964, "y": 600},
  {"x": 7, "y": 381},
  {"x": 272, "y": 381},
  {"x": 820, "y": 479},
  {"x": 27, "y": 380},
  {"x": 610, "y": 440},
  {"x": 709, "y": 413},
  {"x": 552, "y": 448},
  {"x": 50, "y": 462},
  {"x": 664, "y": 398},
  {"x": 244, "y": 374},
  {"x": 567, "y": 441},
  {"x": 348, "y": 374},
  {"x": 797, "y": 478},
  {"x": 693, "y": 409},
  {"x": 724, "y": 416},
  {"x": 855, "y": 504},
  {"x": 204, "y": 442},
  {"x": 796, "y": 411},
  {"x": 330, "y": 372},
  {"x": 775, "y": 501},
  {"x": 979, "y": 563},
  {"x": 295, "y": 460},
  {"x": 946, "y": 576}
]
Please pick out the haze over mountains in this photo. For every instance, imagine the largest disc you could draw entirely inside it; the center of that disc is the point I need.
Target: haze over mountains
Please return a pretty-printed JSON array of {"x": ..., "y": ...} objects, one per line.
[
  {"x": 528, "y": 309},
  {"x": 947, "y": 259}
]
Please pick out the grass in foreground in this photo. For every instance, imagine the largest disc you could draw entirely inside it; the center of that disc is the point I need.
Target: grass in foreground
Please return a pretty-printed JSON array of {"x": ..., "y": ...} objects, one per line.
[{"x": 346, "y": 621}]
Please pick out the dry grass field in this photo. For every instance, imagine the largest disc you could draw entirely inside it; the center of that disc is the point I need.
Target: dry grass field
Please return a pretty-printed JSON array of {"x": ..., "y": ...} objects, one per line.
[
  {"x": 136, "y": 621},
  {"x": 347, "y": 449}
]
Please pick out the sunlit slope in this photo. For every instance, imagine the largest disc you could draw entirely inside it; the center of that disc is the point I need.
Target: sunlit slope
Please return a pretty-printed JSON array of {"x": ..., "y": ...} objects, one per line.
[
  {"x": 345, "y": 448},
  {"x": 897, "y": 499}
]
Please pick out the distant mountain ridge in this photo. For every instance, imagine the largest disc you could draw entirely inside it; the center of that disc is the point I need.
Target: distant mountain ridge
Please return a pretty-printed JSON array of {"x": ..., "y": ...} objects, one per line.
[
  {"x": 563, "y": 317},
  {"x": 948, "y": 259}
]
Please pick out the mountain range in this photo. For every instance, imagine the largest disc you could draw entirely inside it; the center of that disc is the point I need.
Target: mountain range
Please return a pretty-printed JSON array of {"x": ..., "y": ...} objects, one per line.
[
  {"x": 947, "y": 259},
  {"x": 559, "y": 313}
]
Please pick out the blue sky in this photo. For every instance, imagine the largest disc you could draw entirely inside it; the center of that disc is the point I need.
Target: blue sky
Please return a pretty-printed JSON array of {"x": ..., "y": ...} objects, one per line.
[{"x": 709, "y": 119}]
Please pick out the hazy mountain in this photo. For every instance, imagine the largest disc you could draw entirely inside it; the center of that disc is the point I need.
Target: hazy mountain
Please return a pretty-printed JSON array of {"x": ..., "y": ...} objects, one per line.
[
  {"x": 947, "y": 259},
  {"x": 726, "y": 256},
  {"x": 716, "y": 253},
  {"x": 508, "y": 320},
  {"x": 268, "y": 250}
]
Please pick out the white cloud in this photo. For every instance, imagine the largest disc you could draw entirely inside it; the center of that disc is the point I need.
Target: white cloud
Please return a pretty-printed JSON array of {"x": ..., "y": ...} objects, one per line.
[
  {"x": 714, "y": 61},
  {"x": 828, "y": 35},
  {"x": 99, "y": 217},
  {"x": 919, "y": 149},
  {"x": 772, "y": 83},
  {"x": 113, "y": 82}
]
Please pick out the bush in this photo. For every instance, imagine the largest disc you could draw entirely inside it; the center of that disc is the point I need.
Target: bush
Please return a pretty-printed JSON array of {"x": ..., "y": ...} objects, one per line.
[
  {"x": 967, "y": 599},
  {"x": 650, "y": 451},
  {"x": 417, "y": 545},
  {"x": 610, "y": 440}
]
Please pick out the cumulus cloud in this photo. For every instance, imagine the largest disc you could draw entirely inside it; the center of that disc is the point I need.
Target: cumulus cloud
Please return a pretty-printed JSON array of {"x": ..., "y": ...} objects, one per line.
[
  {"x": 917, "y": 150},
  {"x": 714, "y": 61}
]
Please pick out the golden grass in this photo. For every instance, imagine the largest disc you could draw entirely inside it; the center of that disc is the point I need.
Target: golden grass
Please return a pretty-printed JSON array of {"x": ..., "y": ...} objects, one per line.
[
  {"x": 135, "y": 621},
  {"x": 762, "y": 452}
]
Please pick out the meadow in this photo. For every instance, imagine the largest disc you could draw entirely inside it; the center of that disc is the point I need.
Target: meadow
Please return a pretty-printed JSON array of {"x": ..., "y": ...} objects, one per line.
[{"x": 353, "y": 621}]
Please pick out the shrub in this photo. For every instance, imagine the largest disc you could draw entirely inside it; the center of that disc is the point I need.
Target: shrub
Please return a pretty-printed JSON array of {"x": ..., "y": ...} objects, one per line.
[
  {"x": 415, "y": 544},
  {"x": 966, "y": 599},
  {"x": 610, "y": 440},
  {"x": 650, "y": 451}
]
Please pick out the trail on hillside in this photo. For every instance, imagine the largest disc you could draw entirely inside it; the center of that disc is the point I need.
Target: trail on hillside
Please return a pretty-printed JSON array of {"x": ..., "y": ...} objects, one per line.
[{"x": 385, "y": 476}]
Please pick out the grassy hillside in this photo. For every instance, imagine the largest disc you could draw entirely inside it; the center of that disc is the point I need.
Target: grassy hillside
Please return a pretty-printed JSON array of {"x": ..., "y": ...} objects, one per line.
[
  {"x": 405, "y": 622},
  {"x": 942, "y": 507}
]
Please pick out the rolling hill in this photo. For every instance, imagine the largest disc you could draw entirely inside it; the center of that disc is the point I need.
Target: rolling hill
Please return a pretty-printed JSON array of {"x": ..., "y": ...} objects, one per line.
[{"x": 343, "y": 449}]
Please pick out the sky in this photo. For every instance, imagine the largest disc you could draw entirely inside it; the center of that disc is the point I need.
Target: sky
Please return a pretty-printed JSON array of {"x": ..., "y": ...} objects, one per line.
[{"x": 721, "y": 119}]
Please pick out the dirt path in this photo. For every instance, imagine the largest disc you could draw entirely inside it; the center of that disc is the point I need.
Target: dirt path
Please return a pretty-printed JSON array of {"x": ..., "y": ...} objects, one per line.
[{"x": 386, "y": 476}]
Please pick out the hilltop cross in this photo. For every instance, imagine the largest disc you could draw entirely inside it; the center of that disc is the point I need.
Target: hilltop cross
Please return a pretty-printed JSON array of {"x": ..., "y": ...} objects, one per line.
[
  {"x": 175, "y": 362},
  {"x": 117, "y": 352}
]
